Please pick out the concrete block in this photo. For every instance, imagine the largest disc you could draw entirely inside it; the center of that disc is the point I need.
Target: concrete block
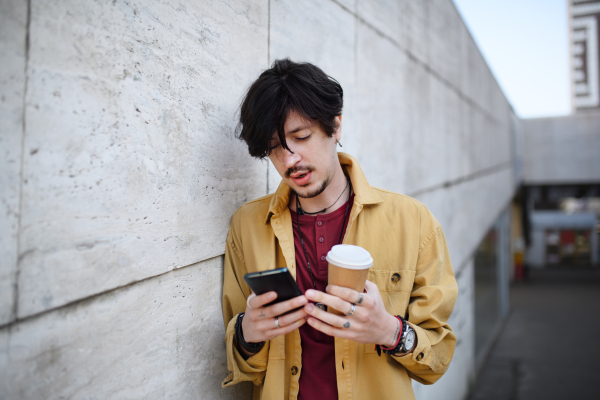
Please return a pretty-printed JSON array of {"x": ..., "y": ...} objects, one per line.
[
  {"x": 162, "y": 338},
  {"x": 131, "y": 167},
  {"x": 562, "y": 149},
  {"x": 414, "y": 21},
  {"x": 322, "y": 33},
  {"x": 382, "y": 107},
  {"x": 13, "y": 21},
  {"x": 444, "y": 40},
  {"x": 385, "y": 16}
]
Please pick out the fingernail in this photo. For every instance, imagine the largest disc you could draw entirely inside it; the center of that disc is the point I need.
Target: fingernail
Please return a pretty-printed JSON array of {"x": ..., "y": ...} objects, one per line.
[
  {"x": 327, "y": 288},
  {"x": 310, "y": 293},
  {"x": 302, "y": 300},
  {"x": 309, "y": 307},
  {"x": 272, "y": 296}
]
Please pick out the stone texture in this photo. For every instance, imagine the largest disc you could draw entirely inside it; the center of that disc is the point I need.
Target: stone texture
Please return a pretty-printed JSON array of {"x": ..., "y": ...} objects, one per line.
[
  {"x": 13, "y": 21},
  {"x": 162, "y": 338},
  {"x": 467, "y": 210},
  {"x": 444, "y": 41},
  {"x": 330, "y": 46},
  {"x": 562, "y": 149},
  {"x": 131, "y": 167},
  {"x": 384, "y": 16},
  {"x": 415, "y": 29},
  {"x": 381, "y": 107}
]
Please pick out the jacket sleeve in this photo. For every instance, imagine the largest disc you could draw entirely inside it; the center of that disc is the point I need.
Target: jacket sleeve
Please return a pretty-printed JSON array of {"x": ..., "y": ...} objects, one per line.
[
  {"x": 431, "y": 302},
  {"x": 234, "y": 302}
]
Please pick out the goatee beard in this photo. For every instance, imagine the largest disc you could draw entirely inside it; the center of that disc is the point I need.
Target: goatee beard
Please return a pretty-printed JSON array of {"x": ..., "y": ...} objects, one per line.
[{"x": 315, "y": 192}]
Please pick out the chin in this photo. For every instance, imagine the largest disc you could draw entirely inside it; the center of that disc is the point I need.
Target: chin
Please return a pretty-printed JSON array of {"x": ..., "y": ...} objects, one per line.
[{"x": 307, "y": 192}]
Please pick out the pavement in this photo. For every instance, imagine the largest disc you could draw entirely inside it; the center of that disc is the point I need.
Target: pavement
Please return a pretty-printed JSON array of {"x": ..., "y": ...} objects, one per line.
[{"x": 549, "y": 347}]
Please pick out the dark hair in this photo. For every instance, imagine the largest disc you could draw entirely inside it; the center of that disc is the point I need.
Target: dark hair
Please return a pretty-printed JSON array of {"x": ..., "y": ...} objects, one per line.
[{"x": 287, "y": 86}]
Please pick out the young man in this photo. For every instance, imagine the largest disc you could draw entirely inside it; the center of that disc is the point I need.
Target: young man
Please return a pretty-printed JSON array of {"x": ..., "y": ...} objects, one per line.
[{"x": 397, "y": 329}]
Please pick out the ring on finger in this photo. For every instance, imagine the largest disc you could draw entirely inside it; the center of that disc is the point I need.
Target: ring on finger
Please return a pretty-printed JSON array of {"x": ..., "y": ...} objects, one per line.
[
  {"x": 360, "y": 298},
  {"x": 248, "y": 301},
  {"x": 352, "y": 309},
  {"x": 276, "y": 322}
]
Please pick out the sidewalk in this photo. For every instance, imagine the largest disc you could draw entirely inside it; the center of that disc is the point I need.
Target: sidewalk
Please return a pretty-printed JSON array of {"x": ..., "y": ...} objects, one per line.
[{"x": 550, "y": 345}]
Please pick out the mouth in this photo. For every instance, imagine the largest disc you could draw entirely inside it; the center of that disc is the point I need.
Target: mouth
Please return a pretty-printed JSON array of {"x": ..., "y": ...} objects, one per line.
[{"x": 301, "y": 178}]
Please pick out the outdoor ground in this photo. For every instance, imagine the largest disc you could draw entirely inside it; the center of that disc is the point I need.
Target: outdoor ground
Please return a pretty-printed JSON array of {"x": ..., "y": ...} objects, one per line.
[{"x": 550, "y": 345}]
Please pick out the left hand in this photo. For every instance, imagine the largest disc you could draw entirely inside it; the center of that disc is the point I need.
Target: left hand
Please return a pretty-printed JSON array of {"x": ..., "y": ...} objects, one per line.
[{"x": 370, "y": 323}]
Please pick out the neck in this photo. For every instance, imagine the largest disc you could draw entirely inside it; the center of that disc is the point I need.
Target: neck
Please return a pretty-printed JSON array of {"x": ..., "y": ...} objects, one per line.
[{"x": 327, "y": 198}]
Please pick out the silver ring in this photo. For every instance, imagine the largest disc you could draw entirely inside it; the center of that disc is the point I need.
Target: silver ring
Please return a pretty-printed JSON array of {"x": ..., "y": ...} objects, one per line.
[
  {"x": 360, "y": 298},
  {"x": 352, "y": 309},
  {"x": 248, "y": 301},
  {"x": 277, "y": 322}
]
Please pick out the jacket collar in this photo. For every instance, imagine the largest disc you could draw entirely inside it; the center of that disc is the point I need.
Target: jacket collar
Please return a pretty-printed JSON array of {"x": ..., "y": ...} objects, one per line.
[{"x": 363, "y": 192}]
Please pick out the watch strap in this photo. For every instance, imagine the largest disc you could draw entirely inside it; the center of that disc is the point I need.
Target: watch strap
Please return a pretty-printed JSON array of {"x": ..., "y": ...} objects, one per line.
[
  {"x": 399, "y": 346},
  {"x": 239, "y": 337}
]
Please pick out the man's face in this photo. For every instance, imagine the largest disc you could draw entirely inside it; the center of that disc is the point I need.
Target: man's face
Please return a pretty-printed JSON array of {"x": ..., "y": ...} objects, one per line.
[{"x": 311, "y": 166}]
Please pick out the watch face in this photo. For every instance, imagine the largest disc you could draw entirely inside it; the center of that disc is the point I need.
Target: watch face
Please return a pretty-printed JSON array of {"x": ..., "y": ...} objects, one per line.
[{"x": 409, "y": 342}]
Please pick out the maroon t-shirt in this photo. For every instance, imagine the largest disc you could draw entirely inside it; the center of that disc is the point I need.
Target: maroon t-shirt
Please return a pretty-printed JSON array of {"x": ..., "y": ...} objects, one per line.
[{"x": 320, "y": 234}]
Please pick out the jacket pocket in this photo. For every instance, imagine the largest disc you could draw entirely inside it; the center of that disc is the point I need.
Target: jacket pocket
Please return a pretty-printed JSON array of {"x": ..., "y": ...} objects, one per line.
[{"x": 395, "y": 288}]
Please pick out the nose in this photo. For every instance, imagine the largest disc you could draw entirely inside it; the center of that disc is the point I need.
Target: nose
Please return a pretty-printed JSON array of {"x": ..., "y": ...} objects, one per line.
[{"x": 289, "y": 159}]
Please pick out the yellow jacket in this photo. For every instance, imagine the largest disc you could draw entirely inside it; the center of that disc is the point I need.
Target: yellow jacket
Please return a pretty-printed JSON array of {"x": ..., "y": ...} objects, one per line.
[{"x": 411, "y": 268}]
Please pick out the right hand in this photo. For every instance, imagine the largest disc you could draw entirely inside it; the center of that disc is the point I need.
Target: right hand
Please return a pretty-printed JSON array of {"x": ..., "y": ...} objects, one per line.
[{"x": 258, "y": 324}]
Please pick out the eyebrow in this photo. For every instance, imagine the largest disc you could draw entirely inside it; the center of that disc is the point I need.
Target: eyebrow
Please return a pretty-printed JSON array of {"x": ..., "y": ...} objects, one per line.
[{"x": 298, "y": 129}]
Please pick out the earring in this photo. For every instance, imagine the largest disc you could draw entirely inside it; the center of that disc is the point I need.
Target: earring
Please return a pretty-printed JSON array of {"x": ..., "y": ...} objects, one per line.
[{"x": 338, "y": 142}]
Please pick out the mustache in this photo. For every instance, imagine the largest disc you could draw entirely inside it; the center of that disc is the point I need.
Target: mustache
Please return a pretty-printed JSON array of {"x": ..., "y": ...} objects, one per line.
[{"x": 307, "y": 168}]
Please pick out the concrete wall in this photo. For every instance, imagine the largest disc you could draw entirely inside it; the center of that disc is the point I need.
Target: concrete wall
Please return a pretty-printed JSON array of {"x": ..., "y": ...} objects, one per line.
[
  {"x": 120, "y": 171},
  {"x": 562, "y": 150}
]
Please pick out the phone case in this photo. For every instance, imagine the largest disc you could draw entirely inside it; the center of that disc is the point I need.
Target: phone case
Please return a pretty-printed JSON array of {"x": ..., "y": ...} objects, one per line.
[{"x": 278, "y": 280}]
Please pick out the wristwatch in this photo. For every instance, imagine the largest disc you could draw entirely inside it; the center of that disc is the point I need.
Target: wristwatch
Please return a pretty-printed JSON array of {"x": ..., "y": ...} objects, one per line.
[{"x": 407, "y": 340}]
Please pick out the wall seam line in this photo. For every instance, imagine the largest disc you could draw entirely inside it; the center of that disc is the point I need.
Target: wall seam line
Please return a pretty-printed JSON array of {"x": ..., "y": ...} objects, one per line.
[
  {"x": 268, "y": 64},
  {"x": 95, "y": 295},
  {"x": 467, "y": 178},
  {"x": 15, "y": 308}
]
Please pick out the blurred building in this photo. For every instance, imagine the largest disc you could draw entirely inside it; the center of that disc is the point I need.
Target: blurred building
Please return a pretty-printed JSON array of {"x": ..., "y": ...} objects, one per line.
[{"x": 584, "y": 18}]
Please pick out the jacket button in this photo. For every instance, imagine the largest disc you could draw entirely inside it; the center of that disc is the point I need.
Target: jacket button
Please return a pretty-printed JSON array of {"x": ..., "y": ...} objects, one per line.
[
  {"x": 395, "y": 278},
  {"x": 419, "y": 357},
  {"x": 321, "y": 240},
  {"x": 294, "y": 370},
  {"x": 319, "y": 223},
  {"x": 323, "y": 258}
]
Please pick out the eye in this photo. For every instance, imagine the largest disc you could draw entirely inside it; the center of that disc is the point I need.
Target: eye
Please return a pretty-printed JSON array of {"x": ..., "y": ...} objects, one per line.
[
  {"x": 273, "y": 147},
  {"x": 301, "y": 139}
]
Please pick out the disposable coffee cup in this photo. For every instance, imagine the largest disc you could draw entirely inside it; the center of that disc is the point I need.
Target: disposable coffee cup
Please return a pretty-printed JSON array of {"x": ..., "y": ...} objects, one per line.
[{"x": 349, "y": 266}]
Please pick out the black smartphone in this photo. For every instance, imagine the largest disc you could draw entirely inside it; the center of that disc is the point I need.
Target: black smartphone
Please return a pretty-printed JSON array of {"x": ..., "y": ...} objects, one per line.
[{"x": 278, "y": 280}]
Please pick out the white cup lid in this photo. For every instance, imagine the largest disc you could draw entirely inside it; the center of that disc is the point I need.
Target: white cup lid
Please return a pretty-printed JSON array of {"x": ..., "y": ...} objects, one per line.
[{"x": 350, "y": 256}]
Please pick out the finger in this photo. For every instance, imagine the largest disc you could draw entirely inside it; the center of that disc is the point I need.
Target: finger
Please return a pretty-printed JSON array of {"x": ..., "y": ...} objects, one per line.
[
  {"x": 285, "y": 306},
  {"x": 286, "y": 329},
  {"x": 330, "y": 330},
  {"x": 292, "y": 317},
  {"x": 372, "y": 291},
  {"x": 258, "y": 301},
  {"x": 350, "y": 295},
  {"x": 329, "y": 300},
  {"x": 329, "y": 318}
]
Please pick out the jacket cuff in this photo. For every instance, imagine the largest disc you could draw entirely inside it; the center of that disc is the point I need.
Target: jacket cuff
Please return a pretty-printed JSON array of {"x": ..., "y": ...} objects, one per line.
[
  {"x": 253, "y": 369},
  {"x": 422, "y": 356}
]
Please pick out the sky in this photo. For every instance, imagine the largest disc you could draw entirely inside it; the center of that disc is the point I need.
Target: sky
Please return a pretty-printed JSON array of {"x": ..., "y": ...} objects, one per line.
[{"x": 525, "y": 43}]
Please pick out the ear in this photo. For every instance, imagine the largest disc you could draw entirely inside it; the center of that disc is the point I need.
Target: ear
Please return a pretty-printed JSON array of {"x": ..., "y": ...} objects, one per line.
[{"x": 338, "y": 131}]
